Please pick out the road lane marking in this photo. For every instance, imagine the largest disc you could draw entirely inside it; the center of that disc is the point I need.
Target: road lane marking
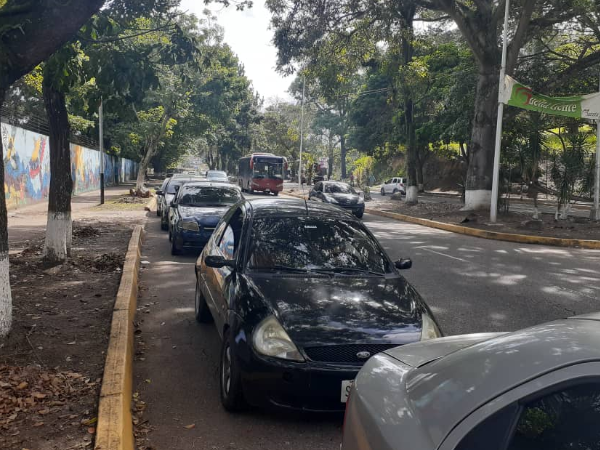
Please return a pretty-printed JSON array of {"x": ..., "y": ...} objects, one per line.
[{"x": 444, "y": 254}]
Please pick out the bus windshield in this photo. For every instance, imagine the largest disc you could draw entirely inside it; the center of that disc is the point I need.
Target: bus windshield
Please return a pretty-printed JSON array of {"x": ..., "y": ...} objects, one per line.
[{"x": 268, "y": 169}]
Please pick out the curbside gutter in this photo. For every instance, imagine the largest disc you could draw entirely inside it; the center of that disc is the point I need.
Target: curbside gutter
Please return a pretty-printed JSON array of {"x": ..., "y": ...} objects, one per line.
[
  {"x": 475, "y": 232},
  {"x": 115, "y": 426},
  {"x": 494, "y": 235}
]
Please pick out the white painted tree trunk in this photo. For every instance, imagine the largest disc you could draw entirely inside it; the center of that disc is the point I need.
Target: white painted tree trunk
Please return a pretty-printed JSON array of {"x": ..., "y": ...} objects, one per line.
[
  {"x": 536, "y": 213},
  {"x": 566, "y": 209},
  {"x": 477, "y": 199},
  {"x": 421, "y": 187},
  {"x": 412, "y": 194},
  {"x": 59, "y": 235},
  {"x": 5, "y": 296}
]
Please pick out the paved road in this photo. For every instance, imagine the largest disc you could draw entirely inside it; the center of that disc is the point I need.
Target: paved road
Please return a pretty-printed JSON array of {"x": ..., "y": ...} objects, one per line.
[{"x": 471, "y": 284}]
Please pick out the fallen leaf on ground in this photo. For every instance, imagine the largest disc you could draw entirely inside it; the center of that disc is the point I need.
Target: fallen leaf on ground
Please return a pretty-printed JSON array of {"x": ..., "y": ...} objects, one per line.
[
  {"x": 91, "y": 430},
  {"x": 190, "y": 426},
  {"x": 22, "y": 385}
]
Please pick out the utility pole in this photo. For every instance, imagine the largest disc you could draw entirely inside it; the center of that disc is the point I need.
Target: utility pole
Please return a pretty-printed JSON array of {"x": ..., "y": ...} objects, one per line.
[
  {"x": 101, "y": 127},
  {"x": 496, "y": 179},
  {"x": 301, "y": 132},
  {"x": 595, "y": 213}
]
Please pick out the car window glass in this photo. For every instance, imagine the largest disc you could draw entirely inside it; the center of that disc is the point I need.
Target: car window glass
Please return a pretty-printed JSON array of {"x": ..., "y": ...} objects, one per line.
[
  {"x": 388, "y": 182},
  {"x": 339, "y": 188},
  {"x": 208, "y": 196},
  {"x": 172, "y": 188},
  {"x": 492, "y": 433},
  {"x": 568, "y": 419},
  {"x": 314, "y": 243},
  {"x": 229, "y": 242}
]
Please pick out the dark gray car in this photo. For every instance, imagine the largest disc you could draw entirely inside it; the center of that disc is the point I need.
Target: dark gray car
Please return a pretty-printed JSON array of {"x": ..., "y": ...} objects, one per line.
[{"x": 537, "y": 388}]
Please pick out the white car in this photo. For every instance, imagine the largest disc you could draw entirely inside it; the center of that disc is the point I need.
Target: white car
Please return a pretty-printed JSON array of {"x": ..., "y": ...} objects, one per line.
[{"x": 394, "y": 185}]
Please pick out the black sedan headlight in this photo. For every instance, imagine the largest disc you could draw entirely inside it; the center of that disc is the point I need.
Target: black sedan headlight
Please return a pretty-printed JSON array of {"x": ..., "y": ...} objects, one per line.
[
  {"x": 270, "y": 339},
  {"x": 190, "y": 226}
]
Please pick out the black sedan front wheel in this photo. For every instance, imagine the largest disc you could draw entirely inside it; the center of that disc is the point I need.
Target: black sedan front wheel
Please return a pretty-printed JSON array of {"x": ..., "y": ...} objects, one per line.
[
  {"x": 202, "y": 312},
  {"x": 176, "y": 245},
  {"x": 232, "y": 396}
]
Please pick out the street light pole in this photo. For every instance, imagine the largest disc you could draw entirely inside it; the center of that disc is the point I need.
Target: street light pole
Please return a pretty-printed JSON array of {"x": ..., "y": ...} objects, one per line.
[
  {"x": 496, "y": 178},
  {"x": 301, "y": 132},
  {"x": 101, "y": 137}
]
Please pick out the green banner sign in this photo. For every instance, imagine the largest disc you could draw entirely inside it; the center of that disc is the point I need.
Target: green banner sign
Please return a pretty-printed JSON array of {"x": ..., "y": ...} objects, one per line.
[{"x": 520, "y": 96}]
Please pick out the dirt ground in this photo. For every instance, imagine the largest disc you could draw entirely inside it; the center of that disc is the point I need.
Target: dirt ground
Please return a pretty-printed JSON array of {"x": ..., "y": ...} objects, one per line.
[
  {"x": 572, "y": 228},
  {"x": 52, "y": 363}
]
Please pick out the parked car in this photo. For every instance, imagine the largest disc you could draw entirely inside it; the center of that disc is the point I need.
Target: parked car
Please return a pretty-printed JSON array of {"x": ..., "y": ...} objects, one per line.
[
  {"x": 302, "y": 295},
  {"x": 537, "y": 388},
  {"x": 339, "y": 194},
  {"x": 160, "y": 193},
  {"x": 394, "y": 185},
  {"x": 196, "y": 211},
  {"x": 217, "y": 176},
  {"x": 167, "y": 195}
]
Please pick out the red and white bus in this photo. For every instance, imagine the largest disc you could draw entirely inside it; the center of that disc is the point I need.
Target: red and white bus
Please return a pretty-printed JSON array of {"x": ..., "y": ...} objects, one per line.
[{"x": 263, "y": 172}]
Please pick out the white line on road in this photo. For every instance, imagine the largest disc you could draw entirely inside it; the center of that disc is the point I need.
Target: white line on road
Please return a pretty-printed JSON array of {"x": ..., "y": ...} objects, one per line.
[{"x": 443, "y": 254}]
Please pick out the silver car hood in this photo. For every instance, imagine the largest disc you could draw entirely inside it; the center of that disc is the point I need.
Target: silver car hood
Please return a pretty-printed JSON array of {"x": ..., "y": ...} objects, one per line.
[{"x": 421, "y": 353}]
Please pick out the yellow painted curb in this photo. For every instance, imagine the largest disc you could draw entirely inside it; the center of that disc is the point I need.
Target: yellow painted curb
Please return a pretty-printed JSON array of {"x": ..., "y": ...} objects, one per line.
[
  {"x": 115, "y": 427},
  {"x": 494, "y": 235}
]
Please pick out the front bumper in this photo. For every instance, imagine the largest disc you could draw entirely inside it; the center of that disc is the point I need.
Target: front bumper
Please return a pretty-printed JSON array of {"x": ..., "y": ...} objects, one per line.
[
  {"x": 308, "y": 386},
  {"x": 354, "y": 209},
  {"x": 196, "y": 239}
]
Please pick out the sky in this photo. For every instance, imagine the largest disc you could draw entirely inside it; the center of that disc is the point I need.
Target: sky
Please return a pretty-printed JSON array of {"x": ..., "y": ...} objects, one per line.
[{"x": 247, "y": 33}]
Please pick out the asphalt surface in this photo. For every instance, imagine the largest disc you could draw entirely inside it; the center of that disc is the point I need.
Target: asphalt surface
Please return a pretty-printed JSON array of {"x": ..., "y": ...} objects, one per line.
[{"x": 471, "y": 285}]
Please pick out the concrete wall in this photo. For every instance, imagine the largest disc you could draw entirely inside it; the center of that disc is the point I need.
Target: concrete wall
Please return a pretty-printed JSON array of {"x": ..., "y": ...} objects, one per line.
[{"x": 27, "y": 167}]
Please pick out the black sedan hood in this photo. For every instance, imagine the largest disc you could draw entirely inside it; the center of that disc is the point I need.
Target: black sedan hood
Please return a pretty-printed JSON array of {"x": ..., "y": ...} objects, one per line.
[
  {"x": 341, "y": 310},
  {"x": 206, "y": 215},
  {"x": 346, "y": 199}
]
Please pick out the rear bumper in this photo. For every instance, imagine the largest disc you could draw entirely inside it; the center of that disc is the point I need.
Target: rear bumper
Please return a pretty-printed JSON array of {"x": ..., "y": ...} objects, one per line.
[{"x": 267, "y": 185}]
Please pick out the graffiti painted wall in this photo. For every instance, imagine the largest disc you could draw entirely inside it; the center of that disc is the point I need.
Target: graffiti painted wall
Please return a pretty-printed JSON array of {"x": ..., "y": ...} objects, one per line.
[{"x": 27, "y": 167}]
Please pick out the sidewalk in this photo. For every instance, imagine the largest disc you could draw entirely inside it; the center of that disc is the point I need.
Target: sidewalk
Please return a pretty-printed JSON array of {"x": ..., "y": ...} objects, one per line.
[{"x": 28, "y": 222}]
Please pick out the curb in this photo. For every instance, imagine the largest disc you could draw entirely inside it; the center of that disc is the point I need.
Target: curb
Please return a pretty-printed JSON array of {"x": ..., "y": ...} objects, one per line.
[
  {"x": 115, "y": 426},
  {"x": 484, "y": 234},
  {"x": 493, "y": 235}
]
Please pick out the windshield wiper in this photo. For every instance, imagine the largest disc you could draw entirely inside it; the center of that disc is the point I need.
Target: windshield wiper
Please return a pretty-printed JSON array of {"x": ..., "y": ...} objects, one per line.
[
  {"x": 279, "y": 269},
  {"x": 343, "y": 270}
]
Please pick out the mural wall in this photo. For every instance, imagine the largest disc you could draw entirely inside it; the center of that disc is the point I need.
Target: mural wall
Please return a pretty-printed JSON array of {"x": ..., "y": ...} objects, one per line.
[{"x": 27, "y": 167}]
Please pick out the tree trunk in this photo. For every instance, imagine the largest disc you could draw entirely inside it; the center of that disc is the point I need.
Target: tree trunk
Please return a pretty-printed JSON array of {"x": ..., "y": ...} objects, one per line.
[
  {"x": 59, "y": 224},
  {"x": 420, "y": 179},
  {"x": 150, "y": 150},
  {"x": 329, "y": 156},
  {"x": 5, "y": 293},
  {"x": 343, "y": 156},
  {"x": 478, "y": 192},
  {"x": 412, "y": 190}
]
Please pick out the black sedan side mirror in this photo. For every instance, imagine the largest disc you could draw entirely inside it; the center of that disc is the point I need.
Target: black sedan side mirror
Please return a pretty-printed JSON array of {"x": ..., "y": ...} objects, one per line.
[
  {"x": 218, "y": 262},
  {"x": 173, "y": 204},
  {"x": 159, "y": 192},
  {"x": 403, "y": 264}
]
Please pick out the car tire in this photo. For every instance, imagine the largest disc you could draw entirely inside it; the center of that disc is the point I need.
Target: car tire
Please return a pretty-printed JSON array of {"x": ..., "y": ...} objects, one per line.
[
  {"x": 157, "y": 213},
  {"x": 359, "y": 214},
  {"x": 175, "y": 249},
  {"x": 382, "y": 192},
  {"x": 201, "y": 310},
  {"x": 230, "y": 378},
  {"x": 170, "y": 236},
  {"x": 395, "y": 191},
  {"x": 164, "y": 226},
  {"x": 276, "y": 193}
]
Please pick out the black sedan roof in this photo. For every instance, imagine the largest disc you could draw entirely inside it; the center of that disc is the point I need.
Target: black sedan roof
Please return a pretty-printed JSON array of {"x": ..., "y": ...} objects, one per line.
[{"x": 295, "y": 207}]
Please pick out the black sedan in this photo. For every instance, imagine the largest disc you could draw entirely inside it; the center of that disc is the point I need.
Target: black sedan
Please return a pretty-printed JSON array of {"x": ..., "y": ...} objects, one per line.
[
  {"x": 302, "y": 295},
  {"x": 196, "y": 211},
  {"x": 166, "y": 197},
  {"x": 339, "y": 194}
]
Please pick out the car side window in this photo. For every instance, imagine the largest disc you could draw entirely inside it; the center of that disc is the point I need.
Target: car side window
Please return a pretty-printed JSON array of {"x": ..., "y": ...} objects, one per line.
[
  {"x": 567, "y": 419},
  {"x": 229, "y": 242}
]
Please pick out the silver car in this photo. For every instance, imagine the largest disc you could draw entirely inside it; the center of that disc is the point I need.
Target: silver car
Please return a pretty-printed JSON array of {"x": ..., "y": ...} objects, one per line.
[{"x": 537, "y": 388}]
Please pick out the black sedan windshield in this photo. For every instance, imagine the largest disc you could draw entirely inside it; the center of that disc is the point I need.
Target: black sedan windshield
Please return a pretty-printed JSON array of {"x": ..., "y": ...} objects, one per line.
[
  {"x": 338, "y": 188},
  {"x": 308, "y": 243},
  {"x": 207, "y": 195}
]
